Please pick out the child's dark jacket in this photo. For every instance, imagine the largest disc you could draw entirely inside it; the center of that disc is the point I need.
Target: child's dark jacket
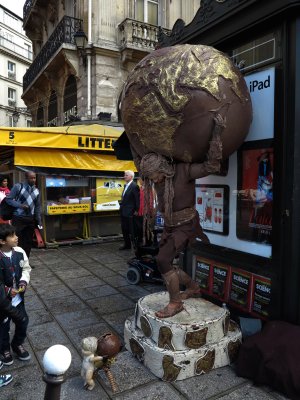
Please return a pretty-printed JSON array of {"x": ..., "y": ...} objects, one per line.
[{"x": 17, "y": 267}]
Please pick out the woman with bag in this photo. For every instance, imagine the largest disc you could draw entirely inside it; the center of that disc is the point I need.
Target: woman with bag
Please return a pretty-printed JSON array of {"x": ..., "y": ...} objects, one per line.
[{"x": 4, "y": 191}]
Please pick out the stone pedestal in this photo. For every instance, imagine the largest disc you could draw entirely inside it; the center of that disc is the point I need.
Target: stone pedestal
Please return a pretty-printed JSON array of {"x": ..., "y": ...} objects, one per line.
[{"x": 196, "y": 340}]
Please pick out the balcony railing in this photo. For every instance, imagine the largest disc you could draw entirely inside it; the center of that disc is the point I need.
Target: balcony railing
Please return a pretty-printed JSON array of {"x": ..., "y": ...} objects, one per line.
[
  {"x": 63, "y": 33},
  {"x": 137, "y": 35},
  {"x": 15, "y": 48}
]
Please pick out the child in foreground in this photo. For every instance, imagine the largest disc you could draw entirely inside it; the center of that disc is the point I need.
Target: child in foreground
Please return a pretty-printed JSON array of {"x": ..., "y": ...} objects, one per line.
[{"x": 15, "y": 273}]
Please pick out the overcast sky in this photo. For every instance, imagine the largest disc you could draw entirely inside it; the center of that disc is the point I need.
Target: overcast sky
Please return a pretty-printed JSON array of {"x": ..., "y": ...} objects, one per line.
[{"x": 15, "y": 6}]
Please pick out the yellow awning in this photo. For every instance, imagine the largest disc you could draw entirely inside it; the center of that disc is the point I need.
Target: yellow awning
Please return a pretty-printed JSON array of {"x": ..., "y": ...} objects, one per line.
[
  {"x": 31, "y": 157},
  {"x": 79, "y": 137}
]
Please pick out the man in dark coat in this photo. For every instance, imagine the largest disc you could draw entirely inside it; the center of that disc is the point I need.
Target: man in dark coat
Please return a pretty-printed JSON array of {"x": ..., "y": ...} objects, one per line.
[
  {"x": 25, "y": 198},
  {"x": 129, "y": 207}
]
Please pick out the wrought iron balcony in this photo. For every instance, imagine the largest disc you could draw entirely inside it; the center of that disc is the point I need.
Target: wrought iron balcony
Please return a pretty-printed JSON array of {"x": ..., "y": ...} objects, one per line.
[
  {"x": 137, "y": 35},
  {"x": 63, "y": 33}
]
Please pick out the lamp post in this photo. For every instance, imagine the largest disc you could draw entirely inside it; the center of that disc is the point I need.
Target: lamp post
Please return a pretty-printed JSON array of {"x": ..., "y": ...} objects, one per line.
[{"x": 56, "y": 362}]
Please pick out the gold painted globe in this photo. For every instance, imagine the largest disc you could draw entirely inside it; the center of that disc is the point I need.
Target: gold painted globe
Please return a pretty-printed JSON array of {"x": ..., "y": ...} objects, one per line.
[{"x": 170, "y": 99}]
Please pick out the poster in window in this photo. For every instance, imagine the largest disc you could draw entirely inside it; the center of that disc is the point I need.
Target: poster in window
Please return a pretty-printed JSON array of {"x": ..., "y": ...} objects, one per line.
[
  {"x": 240, "y": 289},
  {"x": 220, "y": 281},
  {"x": 203, "y": 274},
  {"x": 212, "y": 204},
  {"x": 261, "y": 296},
  {"x": 108, "y": 193},
  {"x": 255, "y": 192}
]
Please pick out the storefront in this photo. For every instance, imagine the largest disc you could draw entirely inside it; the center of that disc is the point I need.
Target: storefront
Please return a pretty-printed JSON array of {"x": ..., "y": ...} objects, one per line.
[
  {"x": 252, "y": 214},
  {"x": 79, "y": 177}
]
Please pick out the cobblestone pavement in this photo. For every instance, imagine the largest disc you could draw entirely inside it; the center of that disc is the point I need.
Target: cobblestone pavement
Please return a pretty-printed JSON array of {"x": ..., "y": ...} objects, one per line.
[{"x": 80, "y": 291}]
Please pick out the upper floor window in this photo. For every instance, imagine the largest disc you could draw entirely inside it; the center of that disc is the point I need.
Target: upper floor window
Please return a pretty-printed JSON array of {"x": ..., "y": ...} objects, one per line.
[
  {"x": 11, "y": 95},
  {"x": 258, "y": 52},
  {"x": 28, "y": 52},
  {"x": 147, "y": 11},
  {"x": 11, "y": 70}
]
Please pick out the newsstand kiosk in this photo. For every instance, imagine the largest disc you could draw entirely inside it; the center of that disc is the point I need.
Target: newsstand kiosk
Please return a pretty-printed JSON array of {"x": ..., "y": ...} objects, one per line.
[{"x": 251, "y": 212}]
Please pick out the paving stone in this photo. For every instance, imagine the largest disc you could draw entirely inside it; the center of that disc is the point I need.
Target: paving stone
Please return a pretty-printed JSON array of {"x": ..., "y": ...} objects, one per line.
[
  {"x": 33, "y": 303},
  {"x": 84, "y": 282},
  {"x": 46, "y": 335},
  {"x": 53, "y": 291},
  {"x": 73, "y": 389},
  {"x": 77, "y": 318},
  {"x": 35, "y": 282},
  {"x": 69, "y": 273},
  {"x": 110, "y": 304},
  {"x": 109, "y": 258},
  {"x": 27, "y": 384},
  {"x": 135, "y": 292},
  {"x": 117, "y": 319},
  {"x": 210, "y": 384},
  {"x": 64, "y": 304},
  {"x": 247, "y": 392},
  {"x": 77, "y": 334},
  {"x": 118, "y": 266},
  {"x": 116, "y": 280},
  {"x": 62, "y": 265},
  {"x": 98, "y": 291},
  {"x": 152, "y": 391},
  {"x": 101, "y": 271},
  {"x": 128, "y": 373},
  {"x": 38, "y": 317}
]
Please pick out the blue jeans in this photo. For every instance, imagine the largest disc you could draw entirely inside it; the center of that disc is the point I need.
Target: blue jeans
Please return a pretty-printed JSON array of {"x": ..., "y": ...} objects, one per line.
[{"x": 20, "y": 331}]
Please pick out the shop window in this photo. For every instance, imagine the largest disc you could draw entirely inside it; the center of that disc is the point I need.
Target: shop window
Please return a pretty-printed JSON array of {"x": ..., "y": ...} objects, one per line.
[
  {"x": 11, "y": 70},
  {"x": 63, "y": 191},
  {"x": 147, "y": 11},
  {"x": 256, "y": 53}
]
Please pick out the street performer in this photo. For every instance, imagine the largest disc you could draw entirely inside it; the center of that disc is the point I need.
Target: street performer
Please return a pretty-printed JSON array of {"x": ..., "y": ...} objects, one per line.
[{"x": 175, "y": 187}]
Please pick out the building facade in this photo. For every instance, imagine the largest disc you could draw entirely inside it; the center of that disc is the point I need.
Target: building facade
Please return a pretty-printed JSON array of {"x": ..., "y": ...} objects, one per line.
[
  {"x": 66, "y": 82},
  {"x": 15, "y": 59}
]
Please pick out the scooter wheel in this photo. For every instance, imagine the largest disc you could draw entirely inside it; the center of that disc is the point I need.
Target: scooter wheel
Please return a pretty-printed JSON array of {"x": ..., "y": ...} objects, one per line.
[{"x": 133, "y": 276}]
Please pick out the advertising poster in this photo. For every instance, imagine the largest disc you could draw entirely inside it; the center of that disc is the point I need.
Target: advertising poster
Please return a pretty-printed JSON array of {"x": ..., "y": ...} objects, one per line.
[
  {"x": 212, "y": 206},
  {"x": 108, "y": 193},
  {"x": 255, "y": 199},
  {"x": 220, "y": 281},
  {"x": 261, "y": 296},
  {"x": 203, "y": 274},
  {"x": 240, "y": 289}
]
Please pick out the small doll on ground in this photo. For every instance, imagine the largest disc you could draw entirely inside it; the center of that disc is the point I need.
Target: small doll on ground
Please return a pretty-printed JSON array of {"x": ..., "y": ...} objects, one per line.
[{"x": 90, "y": 362}]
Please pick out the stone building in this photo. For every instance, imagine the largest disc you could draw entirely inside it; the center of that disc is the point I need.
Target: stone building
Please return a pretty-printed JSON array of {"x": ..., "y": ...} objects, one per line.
[
  {"x": 67, "y": 83},
  {"x": 15, "y": 58}
]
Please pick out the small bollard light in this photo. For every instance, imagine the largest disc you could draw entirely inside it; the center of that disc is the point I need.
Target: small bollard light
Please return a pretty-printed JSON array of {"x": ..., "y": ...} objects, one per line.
[{"x": 56, "y": 362}]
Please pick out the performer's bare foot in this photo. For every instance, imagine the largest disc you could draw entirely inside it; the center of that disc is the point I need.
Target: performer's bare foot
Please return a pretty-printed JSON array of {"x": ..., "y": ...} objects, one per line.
[
  {"x": 193, "y": 291},
  {"x": 171, "y": 309}
]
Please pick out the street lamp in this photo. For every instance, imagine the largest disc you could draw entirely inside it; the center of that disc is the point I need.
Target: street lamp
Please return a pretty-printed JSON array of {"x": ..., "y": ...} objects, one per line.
[
  {"x": 15, "y": 117},
  {"x": 80, "y": 41},
  {"x": 56, "y": 362}
]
